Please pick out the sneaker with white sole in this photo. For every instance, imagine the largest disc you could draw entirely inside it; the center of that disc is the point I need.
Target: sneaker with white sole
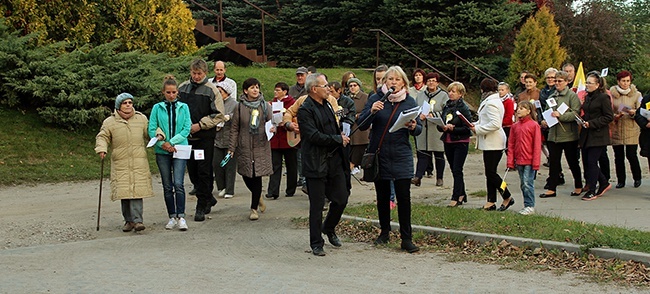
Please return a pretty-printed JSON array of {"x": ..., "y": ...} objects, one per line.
[
  {"x": 182, "y": 224},
  {"x": 355, "y": 171},
  {"x": 527, "y": 210},
  {"x": 228, "y": 196},
  {"x": 222, "y": 193},
  {"x": 171, "y": 224}
]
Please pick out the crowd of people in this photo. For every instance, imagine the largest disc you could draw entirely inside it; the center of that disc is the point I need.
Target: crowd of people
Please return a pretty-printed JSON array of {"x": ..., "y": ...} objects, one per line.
[{"x": 321, "y": 132}]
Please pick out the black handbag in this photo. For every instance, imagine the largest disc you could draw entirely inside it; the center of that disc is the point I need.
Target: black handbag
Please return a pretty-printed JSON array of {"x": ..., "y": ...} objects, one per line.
[{"x": 370, "y": 160}]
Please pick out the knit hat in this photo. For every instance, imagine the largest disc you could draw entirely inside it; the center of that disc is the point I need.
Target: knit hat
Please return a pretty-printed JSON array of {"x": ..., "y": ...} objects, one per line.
[
  {"x": 355, "y": 80},
  {"x": 301, "y": 70},
  {"x": 120, "y": 98},
  {"x": 226, "y": 87}
]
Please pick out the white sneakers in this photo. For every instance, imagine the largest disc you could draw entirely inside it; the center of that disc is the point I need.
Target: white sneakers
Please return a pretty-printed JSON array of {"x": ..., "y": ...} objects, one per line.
[
  {"x": 222, "y": 193},
  {"x": 171, "y": 224},
  {"x": 228, "y": 196},
  {"x": 181, "y": 223},
  {"x": 527, "y": 211},
  {"x": 355, "y": 171}
]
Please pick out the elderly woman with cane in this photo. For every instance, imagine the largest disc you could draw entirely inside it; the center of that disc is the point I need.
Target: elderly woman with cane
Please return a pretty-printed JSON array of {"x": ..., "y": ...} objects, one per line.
[{"x": 125, "y": 132}]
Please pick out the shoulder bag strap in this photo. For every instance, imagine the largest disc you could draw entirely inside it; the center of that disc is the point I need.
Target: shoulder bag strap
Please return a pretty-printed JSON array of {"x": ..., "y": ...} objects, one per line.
[{"x": 386, "y": 129}]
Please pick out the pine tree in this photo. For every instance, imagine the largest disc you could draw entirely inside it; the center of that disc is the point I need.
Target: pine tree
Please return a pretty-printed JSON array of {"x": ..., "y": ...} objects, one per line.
[{"x": 537, "y": 46}]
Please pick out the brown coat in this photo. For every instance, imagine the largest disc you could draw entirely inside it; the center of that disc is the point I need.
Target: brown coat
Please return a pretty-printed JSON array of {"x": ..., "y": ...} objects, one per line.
[
  {"x": 360, "y": 137},
  {"x": 529, "y": 95},
  {"x": 625, "y": 131},
  {"x": 130, "y": 175},
  {"x": 251, "y": 151}
]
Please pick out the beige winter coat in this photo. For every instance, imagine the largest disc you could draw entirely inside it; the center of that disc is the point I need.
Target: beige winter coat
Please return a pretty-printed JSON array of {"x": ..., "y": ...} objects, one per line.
[
  {"x": 625, "y": 131},
  {"x": 250, "y": 150},
  {"x": 130, "y": 175}
]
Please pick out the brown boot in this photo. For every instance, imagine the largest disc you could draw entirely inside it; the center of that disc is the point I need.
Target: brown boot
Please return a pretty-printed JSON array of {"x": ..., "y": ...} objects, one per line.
[
  {"x": 416, "y": 181},
  {"x": 128, "y": 226},
  {"x": 439, "y": 182},
  {"x": 138, "y": 227}
]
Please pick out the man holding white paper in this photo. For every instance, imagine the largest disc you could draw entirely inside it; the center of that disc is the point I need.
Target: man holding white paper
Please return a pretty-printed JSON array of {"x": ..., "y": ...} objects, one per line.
[{"x": 563, "y": 135}]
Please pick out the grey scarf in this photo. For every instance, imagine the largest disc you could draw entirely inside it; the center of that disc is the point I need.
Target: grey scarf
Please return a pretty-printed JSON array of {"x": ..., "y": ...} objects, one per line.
[{"x": 255, "y": 120}]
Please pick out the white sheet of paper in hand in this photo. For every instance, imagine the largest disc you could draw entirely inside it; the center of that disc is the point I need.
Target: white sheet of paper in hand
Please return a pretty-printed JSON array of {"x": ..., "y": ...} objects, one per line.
[
  {"x": 645, "y": 113},
  {"x": 551, "y": 102},
  {"x": 277, "y": 118},
  {"x": 404, "y": 117},
  {"x": 550, "y": 120},
  {"x": 277, "y": 106},
  {"x": 436, "y": 120},
  {"x": 563, "y": 108},
  {"x": 537, "y": 104},
  {"x": 425, "y": 109},
  {"x": 199, "y": 154},
  {"x": 183, "y": 151},
  {"x": 267, "y": 127},
  {"x": 346, "y": 129},
  {"x": 152, "y": 142}
]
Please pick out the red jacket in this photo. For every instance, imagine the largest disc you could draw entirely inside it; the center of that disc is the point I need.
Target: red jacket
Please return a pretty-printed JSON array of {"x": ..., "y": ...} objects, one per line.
[
  {"x": 279, "y": 140},
  {"x": 525, "y": 144},
  {"x": 509, "y": 107}
]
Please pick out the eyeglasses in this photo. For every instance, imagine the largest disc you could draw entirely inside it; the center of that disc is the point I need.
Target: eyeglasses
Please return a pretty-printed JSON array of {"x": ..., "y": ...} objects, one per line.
[
  {"x": 559, "y": 81},
  {"x": 171, "y": 92},
  {"x": 322, "y": 86},
  {"x": 591, "y": 83},
  {"x": 127, "y": 102},
  {"x": 353, "y": 85}
]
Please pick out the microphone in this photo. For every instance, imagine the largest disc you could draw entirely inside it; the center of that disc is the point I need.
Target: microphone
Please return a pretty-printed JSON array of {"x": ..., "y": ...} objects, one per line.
[{"x": 390, "y": 91}]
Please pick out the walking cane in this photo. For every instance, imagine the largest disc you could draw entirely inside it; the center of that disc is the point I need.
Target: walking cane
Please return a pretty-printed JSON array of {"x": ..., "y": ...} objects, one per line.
[{"x": 101, "y": 181}]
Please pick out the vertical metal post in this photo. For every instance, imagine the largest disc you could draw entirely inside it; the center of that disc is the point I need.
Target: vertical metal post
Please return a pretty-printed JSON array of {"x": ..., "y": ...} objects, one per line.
[
  {"x": 263, "y": 39},
  {"x": 456, "y": 69},
  {"x": 377, "y": 58},
  {"x": 220, "y": 21}
]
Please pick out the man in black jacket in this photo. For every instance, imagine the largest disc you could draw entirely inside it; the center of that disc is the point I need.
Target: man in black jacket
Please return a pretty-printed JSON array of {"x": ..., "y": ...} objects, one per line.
[{"x": 323, "y": 163}]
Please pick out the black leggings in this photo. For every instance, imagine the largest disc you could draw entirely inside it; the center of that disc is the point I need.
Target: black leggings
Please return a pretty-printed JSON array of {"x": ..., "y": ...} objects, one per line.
[
  {"x": 255, "y": 186},
  {"x": 403, "y": 196},
  {"x": 491, "y": 160}
]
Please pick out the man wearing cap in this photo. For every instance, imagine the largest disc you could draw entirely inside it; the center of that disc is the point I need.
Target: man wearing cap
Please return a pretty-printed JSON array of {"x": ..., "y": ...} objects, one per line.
[
  {"x": 298, "y": 90},
  {"x": 220, "y": 77},
  {"x": 224, "y": 176},
  {"x": 206, "y": 112}
]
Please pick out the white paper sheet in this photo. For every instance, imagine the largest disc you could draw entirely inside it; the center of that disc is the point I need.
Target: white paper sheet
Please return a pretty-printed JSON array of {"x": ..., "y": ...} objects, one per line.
[
  {"x": 404, "y": 117},
  {"x": 604, "y": 72},
  {"x": 183, "y": 151},
  {"x": 563, "y": 108},
  {"x": 277, "y": 106},
  {"x": 346, "y": 129},
  {"x": 551, "y": 102},
  {"x": 199, "y": 154},
  {"x": 623, "y": 108},
  {"x": 152, "y": 141},
  {"x": 436, "y": 120},
  {"x": 277, "y": 118},
  {"x": 537, "y": 104},
  {"x": 267, "y": 127},
  {"x": 425, "y": 109},
  {"x": 645, "y": 113},
  {"x": 550, "y": 120}
]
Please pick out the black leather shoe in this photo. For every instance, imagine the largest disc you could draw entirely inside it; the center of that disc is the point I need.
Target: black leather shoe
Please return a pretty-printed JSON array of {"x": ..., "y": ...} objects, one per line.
[
  {"x": 383, "y": 238},
  {"x": 269, "y": 196},
  {"x": 620, "y": 185},
  {"x": 199, "y": 216},
  {"x": 637, "y": 183},
  {"x": 490, "y": 208},
  {"x": 318, "y": 251},
  {"x": 504, "y": 207},
  {"x": 544, "y": 195},
  {"x": 409, "y": 247},
  {"x": 193, "y": 192},
  {"x": 334, "y": 240},
  {"x": 211, "y": 202},
  {"x": 561, "y": 181}
]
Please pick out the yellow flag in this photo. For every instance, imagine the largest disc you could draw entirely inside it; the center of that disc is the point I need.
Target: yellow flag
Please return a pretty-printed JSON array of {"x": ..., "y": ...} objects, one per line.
[
  {"x": 503, "y": 185},
  {"x": 580, "y": 82}
]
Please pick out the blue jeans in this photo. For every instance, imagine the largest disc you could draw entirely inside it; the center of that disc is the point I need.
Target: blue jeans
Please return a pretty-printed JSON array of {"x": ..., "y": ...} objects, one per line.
[
  {"x": 172, "y": 173},
  {"x": 527, "y": 184}
]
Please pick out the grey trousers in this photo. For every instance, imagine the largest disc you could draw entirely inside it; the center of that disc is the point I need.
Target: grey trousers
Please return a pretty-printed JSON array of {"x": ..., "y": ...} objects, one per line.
[{"x": 132, "y": 210}]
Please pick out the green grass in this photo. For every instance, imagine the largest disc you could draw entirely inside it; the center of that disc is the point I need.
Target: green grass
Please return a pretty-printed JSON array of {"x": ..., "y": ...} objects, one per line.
[
  {"x": 32, "y": 152},
  {"x": 512, "y": 224}
]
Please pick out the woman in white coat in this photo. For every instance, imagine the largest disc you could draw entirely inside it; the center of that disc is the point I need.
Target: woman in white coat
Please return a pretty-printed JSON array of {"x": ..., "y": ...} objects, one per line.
[{"x": 491, "y": 139}]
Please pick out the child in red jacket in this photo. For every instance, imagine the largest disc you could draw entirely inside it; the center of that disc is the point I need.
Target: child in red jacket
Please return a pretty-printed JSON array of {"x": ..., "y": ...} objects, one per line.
[{"x": 524, "y": 152}]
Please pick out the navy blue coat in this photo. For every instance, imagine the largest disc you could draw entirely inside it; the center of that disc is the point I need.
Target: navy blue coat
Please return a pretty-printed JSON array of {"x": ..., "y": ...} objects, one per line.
[{"x": 396, "y": 155}]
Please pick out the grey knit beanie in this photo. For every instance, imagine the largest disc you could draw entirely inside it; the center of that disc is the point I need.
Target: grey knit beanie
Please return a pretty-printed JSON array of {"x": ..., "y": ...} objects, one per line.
[{"x": 120, "y": 98}]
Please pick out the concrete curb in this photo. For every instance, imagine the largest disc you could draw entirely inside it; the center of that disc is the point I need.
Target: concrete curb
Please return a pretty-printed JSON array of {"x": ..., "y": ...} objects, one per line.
[{"x": 518, "y": 241}]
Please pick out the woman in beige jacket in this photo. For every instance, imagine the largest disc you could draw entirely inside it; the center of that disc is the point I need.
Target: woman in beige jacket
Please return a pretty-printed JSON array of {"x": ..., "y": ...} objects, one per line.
[
  {"x": 249, "y": 144},
  {"x": 625, "y": 132},
  {"x": 126, "y": 133}
]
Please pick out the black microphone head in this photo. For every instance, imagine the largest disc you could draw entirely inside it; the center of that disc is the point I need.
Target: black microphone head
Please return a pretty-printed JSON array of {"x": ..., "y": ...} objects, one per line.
[{"x": 392, "y": 89}]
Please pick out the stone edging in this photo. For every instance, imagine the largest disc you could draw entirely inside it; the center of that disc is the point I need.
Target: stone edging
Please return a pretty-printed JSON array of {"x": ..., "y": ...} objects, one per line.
[{"x": 518, "y": 241}]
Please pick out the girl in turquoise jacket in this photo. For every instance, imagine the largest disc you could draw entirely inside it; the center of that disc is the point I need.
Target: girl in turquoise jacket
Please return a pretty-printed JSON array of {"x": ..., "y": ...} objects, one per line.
[{"x": 172, "y": 118}]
